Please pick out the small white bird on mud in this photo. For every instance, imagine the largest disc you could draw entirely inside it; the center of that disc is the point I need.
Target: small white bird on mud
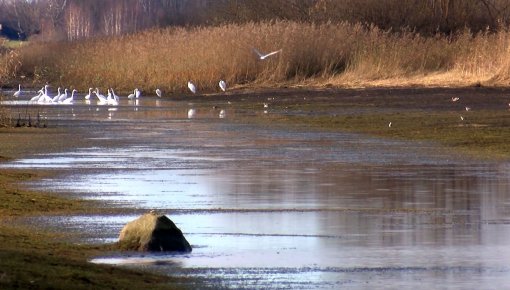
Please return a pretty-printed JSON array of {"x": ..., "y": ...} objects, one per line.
[
  {"x": 263, "y": 56},
  {"x": 192, "y": 87},
  {"x": 158, "y": 93},
  {"x": 222, "y": 114},
  {"x": 223, "y": 85},
  {"x": 192, "y": 113},
  {"x": 389, "y": 125},
  {"x": 18, "y": 92}
]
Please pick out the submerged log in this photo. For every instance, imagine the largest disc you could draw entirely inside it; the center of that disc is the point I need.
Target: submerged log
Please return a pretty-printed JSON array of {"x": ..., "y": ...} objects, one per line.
[{"x": 154, "y": 233}]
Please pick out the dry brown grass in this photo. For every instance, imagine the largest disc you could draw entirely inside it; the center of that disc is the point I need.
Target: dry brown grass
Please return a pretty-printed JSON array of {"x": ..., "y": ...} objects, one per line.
[{"x": 339, "y": 54}]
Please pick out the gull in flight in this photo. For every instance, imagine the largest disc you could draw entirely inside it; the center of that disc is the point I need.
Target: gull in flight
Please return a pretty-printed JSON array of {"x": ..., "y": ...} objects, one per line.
[
  {"x": 454, "y": 99},
  {"x": 468, "y": 108},
  {"x": 223, "y": 85},
  {"x": 264, "y": 56}
]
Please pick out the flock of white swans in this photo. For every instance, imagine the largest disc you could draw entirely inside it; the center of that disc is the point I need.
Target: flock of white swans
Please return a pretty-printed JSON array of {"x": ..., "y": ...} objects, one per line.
[{"x": 111, "y": 99}]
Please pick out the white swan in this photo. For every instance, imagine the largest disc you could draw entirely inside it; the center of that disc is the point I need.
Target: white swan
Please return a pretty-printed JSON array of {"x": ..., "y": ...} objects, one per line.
[
  {"x": 264, "y": 56},
  {"x": 223, "y": 85},
  {"x": 18, "y": 92},
  {"x": 115, "y": 97},
  {"x": 70, "y": 99},
  {"x": 158, "y": 93},
  {"x": 63, "y": 97},
  {"x": 132, "y": 96},
  {"x": 111, "y": 101},
  {"x": 138, "y": 93},
  {"x": 55, "y": 98},
  {"x": 44, "y": 98},
  {"x": 36, "y": 98},
  {"x": 101, "y": 100},
  {"x": 87, "y": 96},
  {"x": 192, "y": 87}
]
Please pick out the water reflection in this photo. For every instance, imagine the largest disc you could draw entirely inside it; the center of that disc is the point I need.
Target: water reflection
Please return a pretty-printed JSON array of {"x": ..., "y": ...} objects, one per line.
[{"x": 267, "y": 208}]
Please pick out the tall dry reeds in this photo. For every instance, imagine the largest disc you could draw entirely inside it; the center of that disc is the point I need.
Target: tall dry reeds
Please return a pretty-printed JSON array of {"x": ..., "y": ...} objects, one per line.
[{"x": 340, "y": 54}]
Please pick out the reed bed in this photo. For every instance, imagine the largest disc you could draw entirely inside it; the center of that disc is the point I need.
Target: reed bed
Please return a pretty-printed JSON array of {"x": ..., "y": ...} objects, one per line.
[{"x": 339, "y": 54}]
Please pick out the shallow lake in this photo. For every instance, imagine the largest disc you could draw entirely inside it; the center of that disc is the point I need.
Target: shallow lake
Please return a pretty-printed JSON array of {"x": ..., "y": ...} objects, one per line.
[{"x": 267, "y": 207}]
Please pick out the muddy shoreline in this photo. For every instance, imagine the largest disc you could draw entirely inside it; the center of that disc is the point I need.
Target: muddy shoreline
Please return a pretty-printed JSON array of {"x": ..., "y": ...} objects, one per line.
[{"x": 283, "y": 105}]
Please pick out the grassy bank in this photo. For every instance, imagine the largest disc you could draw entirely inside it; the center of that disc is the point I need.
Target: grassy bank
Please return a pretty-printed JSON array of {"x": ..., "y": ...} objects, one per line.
[
  {"x": 326, "y": 54},
  {"x": 32, "y": 257}
]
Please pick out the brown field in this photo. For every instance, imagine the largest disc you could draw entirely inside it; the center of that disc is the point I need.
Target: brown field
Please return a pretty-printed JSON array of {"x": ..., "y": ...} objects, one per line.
[{"x": 344, "y": 55}]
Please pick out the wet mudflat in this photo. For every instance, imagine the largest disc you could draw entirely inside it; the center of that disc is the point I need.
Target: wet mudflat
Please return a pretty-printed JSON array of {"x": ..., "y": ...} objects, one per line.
[{"x": 266, "y": 207}]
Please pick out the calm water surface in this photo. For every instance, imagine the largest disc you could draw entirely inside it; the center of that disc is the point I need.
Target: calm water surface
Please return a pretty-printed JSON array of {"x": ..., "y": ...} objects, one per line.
[{"x": 272, "y": 208}]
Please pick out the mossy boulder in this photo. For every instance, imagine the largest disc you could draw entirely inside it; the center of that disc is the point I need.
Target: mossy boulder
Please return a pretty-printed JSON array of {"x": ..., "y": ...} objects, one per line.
[{"x": 154, "y": 233}]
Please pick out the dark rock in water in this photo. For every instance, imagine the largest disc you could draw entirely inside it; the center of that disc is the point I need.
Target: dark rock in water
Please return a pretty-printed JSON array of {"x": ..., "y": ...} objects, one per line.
[{"x": 154, "y": 233}]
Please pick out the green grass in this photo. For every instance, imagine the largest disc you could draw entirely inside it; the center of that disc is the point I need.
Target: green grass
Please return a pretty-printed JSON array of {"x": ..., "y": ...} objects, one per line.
[
  {"x": 484, "y": 134},
  {"x": 32, "y": 257},
  {"x": 12, "y": 44}
]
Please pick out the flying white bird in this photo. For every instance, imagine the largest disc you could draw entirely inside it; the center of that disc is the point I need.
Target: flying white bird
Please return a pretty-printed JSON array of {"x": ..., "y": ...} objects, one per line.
[
  {"x": 192, "y": 87},
  {"x": 454, "y": 99},
  {"x": 18, "y": 92},
  {"x": 158, "y": 93},
  {"x": 264, "y": 56},
  {"x": 223, "y": 85},
  {"x": 468, "y": 108}
]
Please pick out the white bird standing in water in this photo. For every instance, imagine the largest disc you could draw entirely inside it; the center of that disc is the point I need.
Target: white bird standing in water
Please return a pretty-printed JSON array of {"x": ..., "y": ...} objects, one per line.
[
  {"x": 34, "y": 99},
  {"x": 63, "y": 96},
  {"x": 18, "y": 92},
  {"x": 158, "y": 93},
  {"x": 87, "y": 96},
  {"x": 55, "y": 98},
  {"x": 101, "y": 100},
  {"x": 192, "y": 87},
  {"x": 70, "y": 99},
  {"x": 264, "y": 56},
  {"x": 132, "y": 96},
  {"x": 138, "y": 93},
  {"x": 115, "y": 97},
  {"x": 223, "y": 85}
]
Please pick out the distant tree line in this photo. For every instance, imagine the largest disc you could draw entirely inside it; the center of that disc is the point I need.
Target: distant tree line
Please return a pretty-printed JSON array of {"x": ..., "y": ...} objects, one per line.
[{"x": 74, "y": 19}]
